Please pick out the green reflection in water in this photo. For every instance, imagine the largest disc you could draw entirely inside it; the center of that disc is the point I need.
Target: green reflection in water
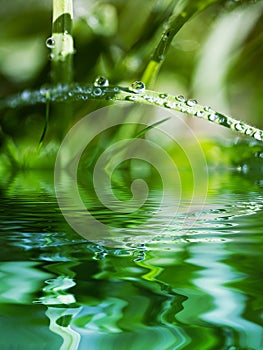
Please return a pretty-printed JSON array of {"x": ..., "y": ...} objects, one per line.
[{"x": 197, "y": 287}]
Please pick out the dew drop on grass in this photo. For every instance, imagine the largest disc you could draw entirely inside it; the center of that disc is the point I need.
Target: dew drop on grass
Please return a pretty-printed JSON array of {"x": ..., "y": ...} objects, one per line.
[
  {"x": 180, "y": 98},
  {"x": 101, "y": 81},
  {"x": 191, "y": 103},
  {"x": 87, "y": 89},
  {"x": 223, "y": 119},
  {"x": 258, "y": 136},
  {"x": 25, "y": 95},
  {"x": 137, "y": 86},
  {"x": 239, "y": 127},
  {"x": 50, "y": 43},
  {"x": 169, "y": 105},
  {"x": 207, "y": 109},
  {"x": 165, "y": 36},
  {"x": 43, "y": 91},
  {"x": 212, "y": 117},
  {"x": 200, "y": 114},
  {"x": 259, "y": 155},
  {"x": 249, "y": 131},
  {"x": 163, "y": 96},
  {"x": 97, "y": 92}
]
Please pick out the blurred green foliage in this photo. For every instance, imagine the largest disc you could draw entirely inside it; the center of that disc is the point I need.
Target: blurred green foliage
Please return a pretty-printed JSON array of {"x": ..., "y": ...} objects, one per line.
[{"x": 215, "y": 57}]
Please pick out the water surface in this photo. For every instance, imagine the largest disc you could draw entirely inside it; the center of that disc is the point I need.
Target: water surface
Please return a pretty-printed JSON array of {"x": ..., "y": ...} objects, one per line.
[{"x": 195, "y": 285}]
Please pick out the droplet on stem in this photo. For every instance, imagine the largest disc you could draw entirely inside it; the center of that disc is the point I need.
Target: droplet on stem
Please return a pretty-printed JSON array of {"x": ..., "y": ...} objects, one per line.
[
  {"x": 191, "y": 103},
  {"x": 101, "y": 81},
  {"x": 163, "y": 96},
  {"x": 137, "y": 86},
  {"x": 180, "y": 98},
  {"x": 50, "y": 43},
  {"x": 239, "y": 126},
  {"x": 258, "y": 136},
  {"x": 212, "y": 117},
  {"x": 200, "y": 114},
  {"x": 97, "y": 91}
]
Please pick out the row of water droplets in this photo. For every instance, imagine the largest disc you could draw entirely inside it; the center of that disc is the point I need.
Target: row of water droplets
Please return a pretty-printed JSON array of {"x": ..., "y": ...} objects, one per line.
[
  {"x": 62, "y": 92},
  {"x": 192, "y": 107},
  {"x": 136, "y": 92},
  {"x": 180, "y": 103}
]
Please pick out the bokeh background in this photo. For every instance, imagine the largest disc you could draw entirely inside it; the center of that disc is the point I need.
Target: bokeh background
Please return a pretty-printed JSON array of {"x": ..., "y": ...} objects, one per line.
[{"x": 215, "y": 58}]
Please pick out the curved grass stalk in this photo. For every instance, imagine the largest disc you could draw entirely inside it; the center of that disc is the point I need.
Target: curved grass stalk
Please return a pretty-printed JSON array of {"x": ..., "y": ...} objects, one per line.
[
  {"x": 183, "y": 11},
  {"x": 74, "y": 92}
]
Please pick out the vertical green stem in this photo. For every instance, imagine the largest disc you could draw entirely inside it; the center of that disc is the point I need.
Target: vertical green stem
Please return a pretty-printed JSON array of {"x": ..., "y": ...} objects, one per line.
[
  {"x": 62, "y": 50},
  {"x": 62, "y": 41}
]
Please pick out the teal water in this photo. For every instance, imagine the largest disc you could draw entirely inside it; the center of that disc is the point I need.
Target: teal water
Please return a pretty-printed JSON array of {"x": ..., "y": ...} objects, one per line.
[{"x": 197, "y": 285}]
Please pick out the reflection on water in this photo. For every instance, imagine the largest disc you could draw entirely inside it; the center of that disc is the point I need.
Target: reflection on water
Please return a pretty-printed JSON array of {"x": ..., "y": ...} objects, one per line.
[{"x": 195, "y": 286}]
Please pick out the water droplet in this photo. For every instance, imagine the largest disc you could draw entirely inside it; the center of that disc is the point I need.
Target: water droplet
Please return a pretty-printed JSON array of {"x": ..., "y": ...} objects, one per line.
[
  {"x": 239, "y": 127},
  {"x": 200, "y": 114},
  {"x": 249, "y": 131},
  {"x": 25, "y": 95},
  {"x": 50, "y": 43},
  {"x": 60, "y": 87},
  {"x": 77, "y": 89},
  {"x": 87, "y": 89},
  {"x": 223, "y": 120},
  {"x": 165, "y": 36},
  {"x": 169, "y": 105},
  {"x": 180, "y": 98},
  {"x": 84, "y": 97},
  {"x": 207, "y": 108},
  {"x": 212, "y": 117},
  {"x": 258, "y": 136},
  {"x": 163, "y": 95},
  {"x": 43, "y": 91},
  {"x": 116, "y": 89},
  {"x": 191, "y": 103},
  {"x": 259, "y": 155},
  {"x": 137, "y": 86},
  {"x": 97, "y": 92},
  {"x": 101, "y": 81}
]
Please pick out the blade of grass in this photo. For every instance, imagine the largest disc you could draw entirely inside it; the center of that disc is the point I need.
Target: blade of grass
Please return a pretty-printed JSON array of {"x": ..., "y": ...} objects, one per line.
[
  {"x": 183, "y": 11},
  {"x": 45, "y": 126},
  {"x": 76, "y": 92},
  {"x": 150, "y": 127}
]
